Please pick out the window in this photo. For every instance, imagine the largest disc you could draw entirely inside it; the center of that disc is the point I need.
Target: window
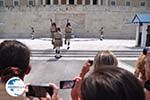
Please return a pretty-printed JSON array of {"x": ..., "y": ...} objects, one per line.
[
  {"x": 63, "y": 2},
  {"x": 1, "y": 3},
  {"x": 102, "y": 2},
  {"x": 71, "y": 1},
  {"x": 94, "y": 2},
  {"x": 113, "y": 3},
  {"x": 79, "y": 2},
  {"x": 31, "y": 2},
  {"x": 41, "y": 2},
  {"x": 128, "y": 3},
  {"x": 48, "y": 2},
  {"x": 87, "y": 2},
  {"x": 148, "y": 29},
  {"x": 55, "y": 2},
  {"x": 15, "y": 2},
  {"x": 142, "y": 4}
]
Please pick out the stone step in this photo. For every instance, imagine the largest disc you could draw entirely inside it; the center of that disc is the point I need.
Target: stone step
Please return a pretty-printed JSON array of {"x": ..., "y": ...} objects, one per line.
[
  {"x": 85, "y": 53},
  {"x": 52, "y": 58}
]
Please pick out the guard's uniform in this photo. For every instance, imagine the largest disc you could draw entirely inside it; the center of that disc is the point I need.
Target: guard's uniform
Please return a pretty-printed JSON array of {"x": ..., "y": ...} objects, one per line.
[
  {"x": 32, "y": 33},
  {"x": 102, "y": 36},
  {"x": 58, "y": 42},
  {"x": 53, "y": 30},
  {"x": 68, "y": 31},
  {"x": 58, "y": 39},
  {"x": 101, "y": 33}
]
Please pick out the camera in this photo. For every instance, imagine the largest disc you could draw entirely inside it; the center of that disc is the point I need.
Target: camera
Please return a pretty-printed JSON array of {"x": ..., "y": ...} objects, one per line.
[
  {"x": 39, "y": 90},
  {"x": 67, "y": 84},
  {"x": 145, "y": 50},
  {"x": 147, "y": 85},
  {"x": 91, "y": 62}
]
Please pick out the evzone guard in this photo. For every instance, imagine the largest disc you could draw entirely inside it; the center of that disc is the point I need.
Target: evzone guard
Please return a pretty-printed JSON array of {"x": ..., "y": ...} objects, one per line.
[
  {"x": 53, "y": 29},
  {"x": 68, "y": 31},
  {"x": 58, "y": 42}
]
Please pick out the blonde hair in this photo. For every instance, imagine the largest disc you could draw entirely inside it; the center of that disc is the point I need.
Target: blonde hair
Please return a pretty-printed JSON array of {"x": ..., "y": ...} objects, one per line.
[
  {"x": 105, "y": 58},
  {"x": 139, "y": 67}
]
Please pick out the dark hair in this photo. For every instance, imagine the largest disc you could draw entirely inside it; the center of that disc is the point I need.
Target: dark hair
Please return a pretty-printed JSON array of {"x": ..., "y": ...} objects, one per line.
[
  {"x": 68, "y": 24},
  {"x": 58, "y": 29},
  {"x": 53, "y": 24},
  {"x": 147, "y": 85},
  {"x": 14, "y": 59},
  {"x": 145, "y": 50},
  {"x": 111, "y": 83}
]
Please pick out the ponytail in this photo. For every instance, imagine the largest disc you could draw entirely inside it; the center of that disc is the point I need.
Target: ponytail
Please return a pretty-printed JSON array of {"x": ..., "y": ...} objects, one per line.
[{"x": 9, "y": 72}]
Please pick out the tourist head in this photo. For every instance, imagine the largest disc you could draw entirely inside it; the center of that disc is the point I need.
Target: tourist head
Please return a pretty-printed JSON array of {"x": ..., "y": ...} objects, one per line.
[
  {"x": 140, "y": 67},
  {"x": 14, "y": 59},
  {"x": 111, "y": 83},
  {"x": 105, "y": 58}
]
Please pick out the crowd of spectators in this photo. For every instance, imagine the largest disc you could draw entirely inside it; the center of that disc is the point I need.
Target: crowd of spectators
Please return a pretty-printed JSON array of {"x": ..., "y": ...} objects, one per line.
[{"x": 105, "y": 80}]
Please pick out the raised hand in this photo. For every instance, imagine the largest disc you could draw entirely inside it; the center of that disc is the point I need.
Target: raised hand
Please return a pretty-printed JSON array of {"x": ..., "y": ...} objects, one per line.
[
  {"x": 75, "y": 92},
  {"x": 85, "y": 69}
]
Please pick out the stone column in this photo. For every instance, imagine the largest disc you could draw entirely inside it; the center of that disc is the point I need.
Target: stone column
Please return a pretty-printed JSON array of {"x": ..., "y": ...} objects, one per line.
[
  {"x": 51, "y": 2},
  {"x": 44, "y": 2},
  {"x": 106, "y": 3},
  {"x": 137, "y": 33},
  {"x": 91, "y": 2},
  {"x": 144, "y": 34},
  {"x": 67, "y": 2},
  {"x": 36, "y": 2},
  {"x": 98, "y": 2},
  {"x": 59, "y": 2},
  {"x": 75, "y": 2},
  {"x": 83, "y": 2}
]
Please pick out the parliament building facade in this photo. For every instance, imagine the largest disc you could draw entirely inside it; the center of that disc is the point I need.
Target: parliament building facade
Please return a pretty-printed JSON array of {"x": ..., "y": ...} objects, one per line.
[
  {"x": 132, "y": 3},
  {"x": 86, "y": 17}
]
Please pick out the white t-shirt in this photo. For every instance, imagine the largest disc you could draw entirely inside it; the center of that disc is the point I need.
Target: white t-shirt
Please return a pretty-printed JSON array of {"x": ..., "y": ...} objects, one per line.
[{"x": 5, "y": 96}]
